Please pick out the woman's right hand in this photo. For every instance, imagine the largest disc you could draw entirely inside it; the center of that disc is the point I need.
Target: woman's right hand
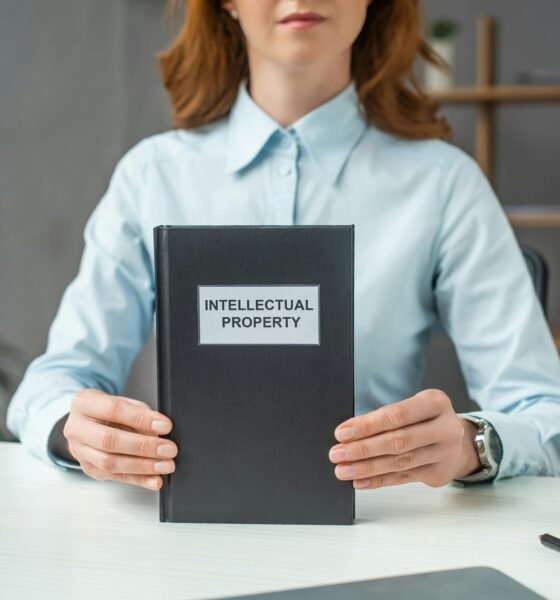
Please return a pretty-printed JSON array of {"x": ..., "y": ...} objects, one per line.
[{"x": 113, "y": 437}]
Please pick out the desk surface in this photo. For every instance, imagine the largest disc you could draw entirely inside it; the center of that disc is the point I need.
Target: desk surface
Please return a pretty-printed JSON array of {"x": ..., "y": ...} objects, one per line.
[{"x": 63, "y": 534}]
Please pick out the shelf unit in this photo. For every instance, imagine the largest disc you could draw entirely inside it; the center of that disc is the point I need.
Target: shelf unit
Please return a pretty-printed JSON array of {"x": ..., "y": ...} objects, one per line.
[
  {"x": 500, "y": 93},
  {"x": 485, "y": 95},
  {"x": 544, "y": 217}
]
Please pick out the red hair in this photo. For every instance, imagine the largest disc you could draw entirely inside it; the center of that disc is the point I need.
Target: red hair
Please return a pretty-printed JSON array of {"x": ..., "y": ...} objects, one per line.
[{"x": 207, "y": 60}]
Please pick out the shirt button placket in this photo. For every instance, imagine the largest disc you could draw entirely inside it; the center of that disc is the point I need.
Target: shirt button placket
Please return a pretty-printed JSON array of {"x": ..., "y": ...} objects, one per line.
[{"x": 285, "y": 182}]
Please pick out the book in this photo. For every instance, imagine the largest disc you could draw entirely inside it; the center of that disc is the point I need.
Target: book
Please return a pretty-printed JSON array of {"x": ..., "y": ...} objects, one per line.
[
  {"x": 255, "y": 357},
  {"x": 465, "y": 583}
]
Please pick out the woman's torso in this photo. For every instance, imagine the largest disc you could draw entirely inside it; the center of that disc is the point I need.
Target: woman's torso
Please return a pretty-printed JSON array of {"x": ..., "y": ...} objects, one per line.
[{"x": 388, "y": 188}]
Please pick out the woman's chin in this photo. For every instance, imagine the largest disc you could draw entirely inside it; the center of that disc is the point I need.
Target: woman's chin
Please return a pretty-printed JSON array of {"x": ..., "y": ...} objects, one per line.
[{"x": 301, "y": 59}]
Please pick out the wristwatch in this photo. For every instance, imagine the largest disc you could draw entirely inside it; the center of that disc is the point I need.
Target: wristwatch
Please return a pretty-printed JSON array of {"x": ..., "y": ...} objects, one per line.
[{"x": 489, "y": 448}]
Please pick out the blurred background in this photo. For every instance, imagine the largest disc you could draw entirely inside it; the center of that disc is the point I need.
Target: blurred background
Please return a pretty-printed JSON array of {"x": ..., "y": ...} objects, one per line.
[{"x": 80, "y": 86}]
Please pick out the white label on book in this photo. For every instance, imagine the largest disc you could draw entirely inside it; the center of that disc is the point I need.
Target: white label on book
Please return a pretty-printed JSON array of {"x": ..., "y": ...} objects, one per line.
[{"x": 258, "y": 314}]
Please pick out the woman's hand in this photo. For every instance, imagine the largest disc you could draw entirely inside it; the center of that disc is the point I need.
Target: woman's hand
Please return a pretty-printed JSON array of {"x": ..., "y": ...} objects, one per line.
[
  {"x": 113, "y": 437},
  {"x": 418, "y": 439}
]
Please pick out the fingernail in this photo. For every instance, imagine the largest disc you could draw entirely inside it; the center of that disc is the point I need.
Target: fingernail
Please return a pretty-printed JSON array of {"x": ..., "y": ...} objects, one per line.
[
  {"x": 164, "y": 467},
  {"x": 346, "y": 471},
  {"x": 165, "y": 450},
  {"x": 339, "y": 454},
  {"x": 345, "y": 433},
  {"x": 160, "y": 426},
  {"x": 361, "y": 483},
  {"x": 152, "y": 482}
]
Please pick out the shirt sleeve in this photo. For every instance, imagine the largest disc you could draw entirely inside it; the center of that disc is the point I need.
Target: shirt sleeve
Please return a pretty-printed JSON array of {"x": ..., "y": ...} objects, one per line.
[
  {"x": 102, "y": 322},
  {"x": 54, "y": 444},
  {"x": 488, "y": 305}
]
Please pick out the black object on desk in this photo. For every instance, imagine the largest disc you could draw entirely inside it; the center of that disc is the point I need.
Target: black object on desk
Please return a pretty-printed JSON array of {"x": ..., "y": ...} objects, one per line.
[
  {"x": 255, "y": 343},
  {"x": 471, "y": 583},
  {"x": 550, "y": 541}
]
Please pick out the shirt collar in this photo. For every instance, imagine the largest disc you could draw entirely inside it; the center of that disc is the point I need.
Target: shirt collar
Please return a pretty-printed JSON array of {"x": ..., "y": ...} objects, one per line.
[{"x": 328, "y": 132}]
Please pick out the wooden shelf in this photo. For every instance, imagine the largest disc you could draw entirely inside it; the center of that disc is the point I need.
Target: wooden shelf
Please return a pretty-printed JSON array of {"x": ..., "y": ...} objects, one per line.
[
  {"x": 496, "y": 93},
  {"x": 533, "y": 216},
  {"x": 484, "y": 95}
]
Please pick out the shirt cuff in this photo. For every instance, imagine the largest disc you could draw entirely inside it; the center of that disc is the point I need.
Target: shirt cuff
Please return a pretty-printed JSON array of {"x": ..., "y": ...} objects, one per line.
[
  {"x": 36, "y": 433},
  {"x": 65, "y": 464},
  {"x": 522, "y": 451},
  {"x": 56, "y": 440}
]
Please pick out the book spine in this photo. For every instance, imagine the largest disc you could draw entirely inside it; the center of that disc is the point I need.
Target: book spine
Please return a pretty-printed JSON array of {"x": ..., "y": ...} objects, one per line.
[
  {"x": 351, "y": 328},
  {"x": 163, "y": 339}
]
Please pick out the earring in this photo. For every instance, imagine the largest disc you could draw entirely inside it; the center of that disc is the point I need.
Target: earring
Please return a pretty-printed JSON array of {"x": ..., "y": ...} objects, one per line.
[{"x": 234, "y": 13}]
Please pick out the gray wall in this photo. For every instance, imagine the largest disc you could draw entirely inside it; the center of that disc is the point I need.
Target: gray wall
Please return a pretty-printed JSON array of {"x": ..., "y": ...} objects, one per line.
[{"x": 80, "y": 86}]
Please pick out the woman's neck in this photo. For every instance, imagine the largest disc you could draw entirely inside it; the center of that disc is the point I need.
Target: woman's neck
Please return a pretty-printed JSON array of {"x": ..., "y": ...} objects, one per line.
[{"x": 286, "y": 95}]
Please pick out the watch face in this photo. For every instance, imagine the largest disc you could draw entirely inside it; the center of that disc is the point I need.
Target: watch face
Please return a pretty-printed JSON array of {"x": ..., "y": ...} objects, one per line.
[{"x": 495, "y": 445}]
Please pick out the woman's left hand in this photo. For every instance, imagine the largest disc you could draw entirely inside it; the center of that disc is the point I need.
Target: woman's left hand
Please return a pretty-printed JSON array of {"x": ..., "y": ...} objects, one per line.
[{"x": 417, "y": 439}]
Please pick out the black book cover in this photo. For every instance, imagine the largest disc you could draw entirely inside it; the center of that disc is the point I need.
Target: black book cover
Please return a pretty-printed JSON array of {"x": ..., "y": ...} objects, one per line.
[{"x": 255, "y": 353}]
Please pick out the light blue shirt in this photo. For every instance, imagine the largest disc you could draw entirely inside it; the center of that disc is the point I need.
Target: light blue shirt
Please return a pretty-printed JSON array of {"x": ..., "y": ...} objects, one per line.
[{"x": 430, "y": 237}]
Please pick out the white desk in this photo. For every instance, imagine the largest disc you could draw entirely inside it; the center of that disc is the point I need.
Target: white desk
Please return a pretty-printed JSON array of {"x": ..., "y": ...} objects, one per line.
[{"x": 64, "y": 535}]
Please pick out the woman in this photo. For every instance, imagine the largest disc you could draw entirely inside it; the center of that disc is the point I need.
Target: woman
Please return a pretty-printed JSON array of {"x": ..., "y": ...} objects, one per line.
[{"x": 308, "y": 112}]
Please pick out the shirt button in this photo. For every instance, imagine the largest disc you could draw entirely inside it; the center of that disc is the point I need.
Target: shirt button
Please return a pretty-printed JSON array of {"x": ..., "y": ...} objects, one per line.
[{"x": 285, "y": 169}]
